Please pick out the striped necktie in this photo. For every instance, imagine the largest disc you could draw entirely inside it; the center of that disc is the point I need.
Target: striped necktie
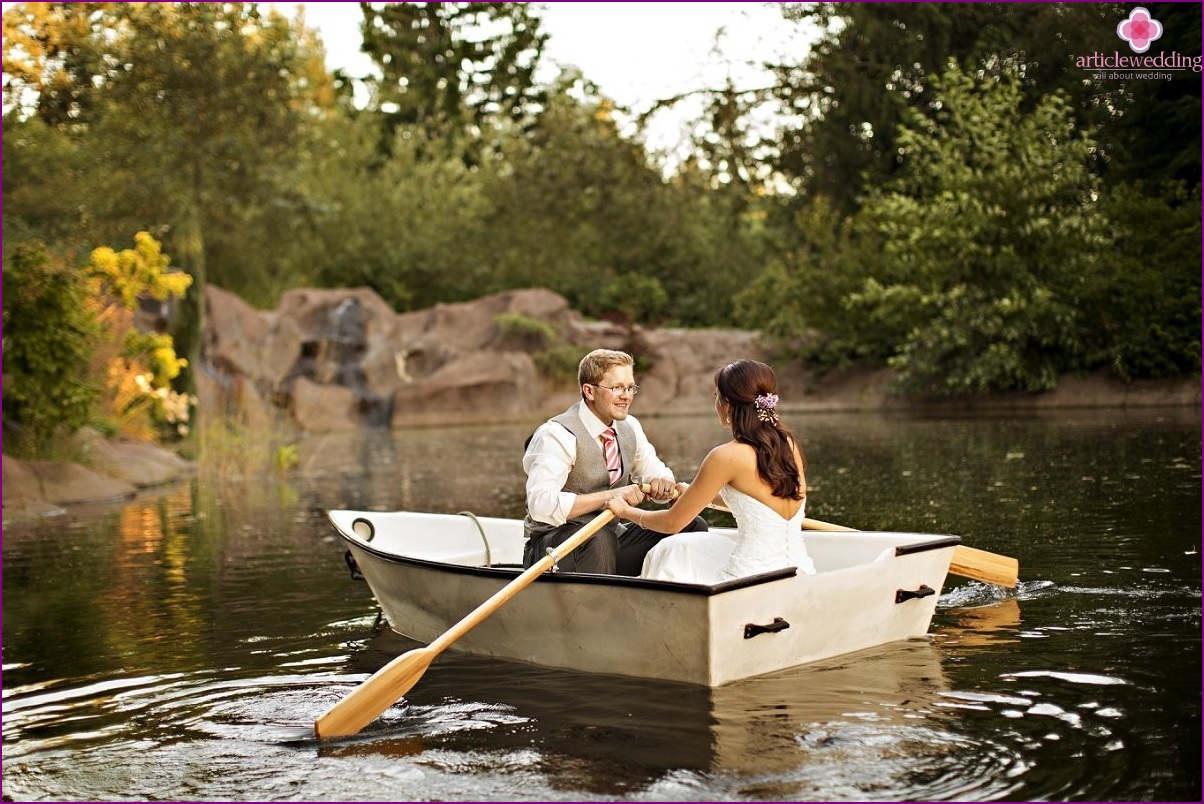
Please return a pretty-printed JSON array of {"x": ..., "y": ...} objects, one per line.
[{"x": 610, "y": 450}]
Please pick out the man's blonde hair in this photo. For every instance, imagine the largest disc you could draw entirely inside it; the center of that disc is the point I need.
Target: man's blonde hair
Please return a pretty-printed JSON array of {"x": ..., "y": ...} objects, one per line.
[{"x": 595, "y": 364}]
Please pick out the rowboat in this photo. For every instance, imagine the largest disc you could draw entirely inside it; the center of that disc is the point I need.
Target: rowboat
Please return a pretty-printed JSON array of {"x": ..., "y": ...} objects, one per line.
[{"x": 428, "y": 570}]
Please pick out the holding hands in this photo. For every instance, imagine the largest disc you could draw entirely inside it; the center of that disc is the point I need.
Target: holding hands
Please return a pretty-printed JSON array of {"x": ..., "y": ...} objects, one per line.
[
  {"x": 623, "y": 503},
  {"x": 629, "y": 495},
  {"x": 620, "y": 505},
  {"x": 660, "y": 489}
]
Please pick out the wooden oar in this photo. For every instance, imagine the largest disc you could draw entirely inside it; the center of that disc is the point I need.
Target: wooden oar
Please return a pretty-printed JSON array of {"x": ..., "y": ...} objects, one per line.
[
  {"x": 382, "y": 689},
  {"x": 967, "y": 562}
]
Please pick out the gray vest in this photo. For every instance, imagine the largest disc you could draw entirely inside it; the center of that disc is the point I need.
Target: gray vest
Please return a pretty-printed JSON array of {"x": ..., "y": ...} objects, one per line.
[{"x": 588, "y": 473}]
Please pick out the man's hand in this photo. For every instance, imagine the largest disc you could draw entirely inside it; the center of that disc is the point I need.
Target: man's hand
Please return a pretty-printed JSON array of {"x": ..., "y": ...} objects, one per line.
[
  {"x": 631, "y": 495},
  {"x": 661, "y": 489}
]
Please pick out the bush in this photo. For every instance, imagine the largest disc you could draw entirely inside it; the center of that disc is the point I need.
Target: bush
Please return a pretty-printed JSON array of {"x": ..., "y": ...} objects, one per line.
[
  {"x": 558, "y": 364},
  {"x": 50, "y": 333},
  {"x": 524, "y": 332}
]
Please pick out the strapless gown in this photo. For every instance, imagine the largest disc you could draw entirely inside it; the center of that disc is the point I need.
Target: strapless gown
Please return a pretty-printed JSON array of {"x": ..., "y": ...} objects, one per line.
[{"x": 763, "y": 541}]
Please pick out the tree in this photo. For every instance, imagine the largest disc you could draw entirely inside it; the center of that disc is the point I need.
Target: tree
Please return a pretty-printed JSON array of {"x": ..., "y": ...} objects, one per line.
[
  {"x": 970, "y": 270},
  {"x": 578, "y": 207},
  {"x": 992, "y": 229},
  {"x": 876, "y": 61},
  {"x": 51, "y": 54},
  {"x": 1140, "y": 316},
  {"x": 1155, "y": 134},
  {"x": 453, "y": 68},
  {"x": 798, "y": 301}
]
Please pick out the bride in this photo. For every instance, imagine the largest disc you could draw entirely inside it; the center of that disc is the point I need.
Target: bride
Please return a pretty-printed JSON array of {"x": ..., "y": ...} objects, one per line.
[{"x": 759, "y": 475}]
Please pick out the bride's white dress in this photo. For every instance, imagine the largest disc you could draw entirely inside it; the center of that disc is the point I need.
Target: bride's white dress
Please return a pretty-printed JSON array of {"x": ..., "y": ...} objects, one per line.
[{"x": 764, "y": 541}]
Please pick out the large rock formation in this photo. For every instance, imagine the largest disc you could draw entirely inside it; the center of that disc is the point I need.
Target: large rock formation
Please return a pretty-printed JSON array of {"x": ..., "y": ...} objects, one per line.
[{"x": 336, "y": 359}]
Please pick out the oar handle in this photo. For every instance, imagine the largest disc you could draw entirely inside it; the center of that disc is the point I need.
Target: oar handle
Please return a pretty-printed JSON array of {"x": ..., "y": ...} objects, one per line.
[{"x": 815, "y": 524}]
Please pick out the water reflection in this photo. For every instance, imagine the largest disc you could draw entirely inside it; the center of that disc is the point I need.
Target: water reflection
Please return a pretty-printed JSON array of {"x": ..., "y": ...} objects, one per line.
[
  {"x": 175, "y": 646},
  {"x": 996, "y": 623},
  {"x": 615, "y": 735}
]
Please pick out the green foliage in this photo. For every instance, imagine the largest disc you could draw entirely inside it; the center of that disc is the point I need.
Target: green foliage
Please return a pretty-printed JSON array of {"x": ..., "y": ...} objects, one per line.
[
  {"x": 48, "y": 172},
  {"x": 1152, "y": 135},
  {"x": 50, "y": 332},
  {"x": 972, "y": 341},
  {"x": 71, "y": 354},
  {"x": 636, "y": 297},
  {"x": 798, "y": 302},
  {"x": 993, "y": 261},
  {"x": 230, "y": 450},
  {"x": 558, "y": 363},
  {"x": 182, "y": 117},
  {"x": 555, "y": 360},
  {"x": 530, "y": 333},
  {"x": 412, "y": 228},
  {"x": 1140, "y": 314},
  {"x": 854, "y": 103},
  {"x": 286, "y": 458},
  {"x": 990, "y": 231},
  {"x": 452, "y": 67},
  {"x": 577, "y": 207}
]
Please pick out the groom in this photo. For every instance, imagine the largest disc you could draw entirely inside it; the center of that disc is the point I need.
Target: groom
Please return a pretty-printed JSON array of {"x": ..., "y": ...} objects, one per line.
[{"x": 578, "y": 460}]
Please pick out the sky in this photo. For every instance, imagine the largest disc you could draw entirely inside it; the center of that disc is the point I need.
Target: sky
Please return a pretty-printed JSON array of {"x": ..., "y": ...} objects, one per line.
[{"x": 672, "y": 48}]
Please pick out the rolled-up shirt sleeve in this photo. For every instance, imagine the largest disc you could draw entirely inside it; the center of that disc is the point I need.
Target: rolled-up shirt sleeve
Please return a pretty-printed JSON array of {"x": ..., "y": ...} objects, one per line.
[{"x": 547, "y": 462}]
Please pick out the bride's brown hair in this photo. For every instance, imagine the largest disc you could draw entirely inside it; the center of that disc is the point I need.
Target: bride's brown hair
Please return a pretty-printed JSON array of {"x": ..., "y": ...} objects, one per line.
[{"x": 739, "y": 384}]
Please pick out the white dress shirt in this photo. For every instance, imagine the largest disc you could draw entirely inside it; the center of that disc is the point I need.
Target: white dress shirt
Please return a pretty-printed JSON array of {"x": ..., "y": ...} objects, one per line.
[{"x": 552, "y": 453}]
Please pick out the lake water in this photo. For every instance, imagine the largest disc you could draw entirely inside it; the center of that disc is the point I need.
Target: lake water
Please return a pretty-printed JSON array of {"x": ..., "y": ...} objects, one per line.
[{"x": 180, "y": 645}]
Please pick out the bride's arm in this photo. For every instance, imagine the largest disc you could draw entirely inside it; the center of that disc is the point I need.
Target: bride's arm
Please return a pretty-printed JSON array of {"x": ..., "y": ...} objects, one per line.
[
  {"x": 680, "y": 488},
  {"x": 717, "y": 503},
  {"x": 717, "y": 468}
]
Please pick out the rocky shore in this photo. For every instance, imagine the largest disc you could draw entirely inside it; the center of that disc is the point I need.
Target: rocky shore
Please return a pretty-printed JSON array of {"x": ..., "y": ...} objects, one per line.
[
  {"x": 337, "y": 359},
  {"x": 116, "y": 470}
]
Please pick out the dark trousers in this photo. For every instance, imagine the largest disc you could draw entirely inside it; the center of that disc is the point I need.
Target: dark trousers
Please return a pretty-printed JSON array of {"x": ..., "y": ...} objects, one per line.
[{"x": 618, "y": 551}]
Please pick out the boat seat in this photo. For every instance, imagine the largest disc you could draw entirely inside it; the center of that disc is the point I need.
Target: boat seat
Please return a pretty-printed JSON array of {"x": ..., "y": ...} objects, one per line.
[{"x": 830, "y": 552}]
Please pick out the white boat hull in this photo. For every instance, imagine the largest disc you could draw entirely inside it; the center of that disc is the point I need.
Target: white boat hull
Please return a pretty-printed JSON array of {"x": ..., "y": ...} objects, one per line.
[{"x": 428, "y": 571}]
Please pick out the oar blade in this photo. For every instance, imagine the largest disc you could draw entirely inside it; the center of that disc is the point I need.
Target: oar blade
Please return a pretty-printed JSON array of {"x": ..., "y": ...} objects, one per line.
[
  {"x": 376, "y": 694},
  {"x": 980, "y": 565},
  {"x": 968, "y": 562}
]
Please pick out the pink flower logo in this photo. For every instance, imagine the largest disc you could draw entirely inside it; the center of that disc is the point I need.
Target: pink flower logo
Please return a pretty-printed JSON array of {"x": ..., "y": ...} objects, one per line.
[{"x": 1139, "y": 30}]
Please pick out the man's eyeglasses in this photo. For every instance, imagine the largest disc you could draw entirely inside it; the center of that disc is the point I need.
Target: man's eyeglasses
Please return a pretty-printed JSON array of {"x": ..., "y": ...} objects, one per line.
[{"x": 620, "y": 390}]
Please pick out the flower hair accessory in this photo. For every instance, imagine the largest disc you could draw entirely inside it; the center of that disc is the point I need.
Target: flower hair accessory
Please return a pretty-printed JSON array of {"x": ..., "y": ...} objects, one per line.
[{"x": 767, "y": 408}]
